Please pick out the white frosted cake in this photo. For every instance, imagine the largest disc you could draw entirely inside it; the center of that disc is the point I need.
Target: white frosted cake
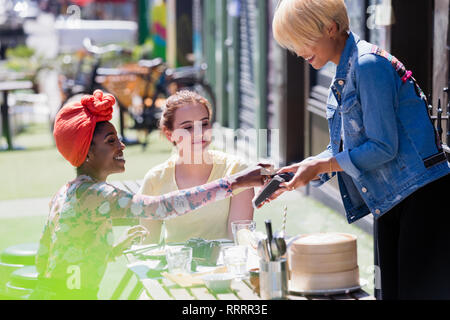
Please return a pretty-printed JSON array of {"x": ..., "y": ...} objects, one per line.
[{"x": 323, "y": 261}]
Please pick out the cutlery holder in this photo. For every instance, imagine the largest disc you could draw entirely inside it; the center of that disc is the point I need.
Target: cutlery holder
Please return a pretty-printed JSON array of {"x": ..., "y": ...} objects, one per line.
[{"x": 273, "y": 279}]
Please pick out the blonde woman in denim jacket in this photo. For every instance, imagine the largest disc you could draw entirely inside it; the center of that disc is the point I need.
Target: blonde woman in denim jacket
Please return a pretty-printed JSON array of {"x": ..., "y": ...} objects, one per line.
[{"x": 383, "y": 148}]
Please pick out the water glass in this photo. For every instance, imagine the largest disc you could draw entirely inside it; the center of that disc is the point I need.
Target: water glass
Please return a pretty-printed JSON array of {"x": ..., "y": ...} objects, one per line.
[
  {"x": 239, "y": 236},
  {"x": 179, "y": 259},
  {"x": 235, "y": 259}
]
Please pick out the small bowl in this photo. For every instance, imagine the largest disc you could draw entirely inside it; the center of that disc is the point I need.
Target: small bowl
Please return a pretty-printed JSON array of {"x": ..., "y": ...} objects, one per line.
[{"x": 218, "y": 282}]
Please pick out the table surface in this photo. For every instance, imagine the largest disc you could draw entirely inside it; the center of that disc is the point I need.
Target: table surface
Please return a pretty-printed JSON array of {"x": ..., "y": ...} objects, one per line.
[
  {"x": 148, "y": 287},
  {"x": 160, "y": 288}
]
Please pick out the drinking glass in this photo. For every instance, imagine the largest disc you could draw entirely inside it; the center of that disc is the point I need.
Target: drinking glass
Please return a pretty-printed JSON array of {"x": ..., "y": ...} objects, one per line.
[
  {"x": 235, "y": 259},
  {"x": 179, "y": 259},
  {"x": 242, "y": 231}
]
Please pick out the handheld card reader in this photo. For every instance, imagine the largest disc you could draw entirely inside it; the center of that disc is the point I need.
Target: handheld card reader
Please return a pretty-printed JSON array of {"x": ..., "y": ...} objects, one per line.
[{"x": 271, "y": 187}]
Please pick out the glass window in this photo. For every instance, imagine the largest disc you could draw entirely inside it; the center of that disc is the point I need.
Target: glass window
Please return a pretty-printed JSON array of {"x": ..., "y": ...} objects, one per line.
[
  {"x": 357, "y": 15},
  {"x": 379, "y": 21}
]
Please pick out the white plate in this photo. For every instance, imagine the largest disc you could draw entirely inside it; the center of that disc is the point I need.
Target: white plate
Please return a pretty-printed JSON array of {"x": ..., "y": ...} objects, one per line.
[{"x": 329, "y": 292}]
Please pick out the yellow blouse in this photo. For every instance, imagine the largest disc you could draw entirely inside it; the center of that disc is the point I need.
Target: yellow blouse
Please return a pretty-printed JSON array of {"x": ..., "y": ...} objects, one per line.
[{"x": 209, "y": 222}]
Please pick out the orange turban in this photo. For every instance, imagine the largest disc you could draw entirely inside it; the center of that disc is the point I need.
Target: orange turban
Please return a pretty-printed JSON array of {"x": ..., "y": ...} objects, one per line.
[{"x": 75, "y": 124}]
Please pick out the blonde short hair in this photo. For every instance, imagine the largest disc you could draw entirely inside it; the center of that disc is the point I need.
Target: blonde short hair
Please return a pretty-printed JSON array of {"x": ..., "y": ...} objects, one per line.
[{"x": 299, "y": 23}]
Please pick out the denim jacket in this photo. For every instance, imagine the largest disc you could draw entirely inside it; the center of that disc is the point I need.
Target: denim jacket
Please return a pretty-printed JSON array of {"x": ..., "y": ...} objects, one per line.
[{"x": 380, "y": 134}]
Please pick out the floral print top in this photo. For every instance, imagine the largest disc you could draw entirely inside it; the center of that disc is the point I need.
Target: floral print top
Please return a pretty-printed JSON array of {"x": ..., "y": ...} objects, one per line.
[{"x": 78, "y": 232}]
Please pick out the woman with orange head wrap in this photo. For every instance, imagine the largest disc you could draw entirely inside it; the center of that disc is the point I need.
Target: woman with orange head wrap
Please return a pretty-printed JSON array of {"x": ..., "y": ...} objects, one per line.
[{"x": 77, "y": 241}]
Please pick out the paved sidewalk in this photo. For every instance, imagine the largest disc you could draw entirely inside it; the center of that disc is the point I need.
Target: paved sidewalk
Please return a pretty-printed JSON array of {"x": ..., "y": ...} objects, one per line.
[{"x": 24, "y": 208}]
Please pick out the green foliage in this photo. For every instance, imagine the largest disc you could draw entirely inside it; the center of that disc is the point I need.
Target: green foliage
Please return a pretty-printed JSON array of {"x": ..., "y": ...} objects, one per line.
[
  {"x": 28, "y": 65},
  {"x": 143, "y": 51},
  {"x": 20, "y": 51},
  {"x": 25, "y": 60}
]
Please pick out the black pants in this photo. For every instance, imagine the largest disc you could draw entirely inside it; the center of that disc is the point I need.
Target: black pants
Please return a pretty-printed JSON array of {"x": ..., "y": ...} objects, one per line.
[{"x": 414, "y": 245}]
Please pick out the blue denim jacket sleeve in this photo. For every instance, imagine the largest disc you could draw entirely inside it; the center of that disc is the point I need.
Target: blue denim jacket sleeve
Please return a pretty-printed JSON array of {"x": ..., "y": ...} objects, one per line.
[{"x": 377, "y": 89}]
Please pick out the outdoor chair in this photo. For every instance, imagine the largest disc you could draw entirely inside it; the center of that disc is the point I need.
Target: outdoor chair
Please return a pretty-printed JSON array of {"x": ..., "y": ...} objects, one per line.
[
  {"x": 13, "y": 259},
  {"x": 22, "y": 283}
]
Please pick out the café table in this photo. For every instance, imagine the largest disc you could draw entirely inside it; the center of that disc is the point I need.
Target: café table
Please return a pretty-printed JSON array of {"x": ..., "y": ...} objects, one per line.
[
  {"x": 141, "y": 282},
  {"x": 5, "y": 88},
  {"x": 151, "y": 285},
  {"x": 158, "y": 287}
]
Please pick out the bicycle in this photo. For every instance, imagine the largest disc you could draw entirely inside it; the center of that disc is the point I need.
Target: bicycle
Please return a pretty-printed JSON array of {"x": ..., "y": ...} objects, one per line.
[
  {"x": 157, "y": 83},
  {"x": 189, "y": 77}
]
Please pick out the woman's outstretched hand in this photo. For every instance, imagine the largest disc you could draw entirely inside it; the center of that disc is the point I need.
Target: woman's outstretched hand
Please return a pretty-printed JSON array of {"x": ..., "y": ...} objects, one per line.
[
  {"x": 304, "y": 171},
  {"x": 252, "y": 177}
]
